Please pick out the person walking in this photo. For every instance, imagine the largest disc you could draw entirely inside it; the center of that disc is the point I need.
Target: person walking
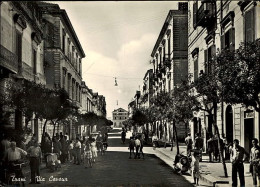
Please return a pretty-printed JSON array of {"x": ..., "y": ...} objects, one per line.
[
  {"x": 198, "y": 144},
  {"x": 137, "y": 147},
  {"x": 78, "y": 151},
  {"x": 141, "y": 147},
  {"x": 238, "y": 156},
  {"x": 131, "y": 146},
  {"x": 88, "y": 156},
  {"x": 254, "y": 161},
  {"x": 34, "y": 152},
  {"x": 93, "y": 146},
  {"x": 188, "y": 142},
  {"x": 71, "y": 151},
  {"x": 123, "y": 135},
  {"x": 210, "y": 146},
  {"x": 195, "y": 165}
]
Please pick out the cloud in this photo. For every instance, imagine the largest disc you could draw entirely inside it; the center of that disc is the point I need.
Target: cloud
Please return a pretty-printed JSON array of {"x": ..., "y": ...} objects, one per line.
[{"x": 129, "y": 67}]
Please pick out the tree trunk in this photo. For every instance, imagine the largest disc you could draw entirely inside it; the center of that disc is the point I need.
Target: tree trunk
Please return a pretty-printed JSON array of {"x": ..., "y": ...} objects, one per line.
[
  {"x": 172, "y": 137},
  {"x": 218, "y": 136},
  {"x": 54, "y": 126},
  {"x": 44, "y": 129},
  {"x": 176, "y": 138}
]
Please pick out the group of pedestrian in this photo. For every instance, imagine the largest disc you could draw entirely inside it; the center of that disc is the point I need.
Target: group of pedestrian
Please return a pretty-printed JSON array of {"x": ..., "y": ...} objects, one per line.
[
  {"x": 12, "y": 156},
  {"x": 86, "y": 150},
  {"x": 136, "y": 144},
  {"x": 238, "y": 156},
  {"x": 213, "y": 149}
]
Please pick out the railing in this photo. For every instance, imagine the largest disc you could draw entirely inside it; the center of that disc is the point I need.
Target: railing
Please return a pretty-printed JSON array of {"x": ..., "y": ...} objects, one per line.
[
  {"x": 8, "y": 59},
  {"x": 167, "y": 61},
  {"x": 26, "y": 72},
  {"x": 205, "y": 14}
]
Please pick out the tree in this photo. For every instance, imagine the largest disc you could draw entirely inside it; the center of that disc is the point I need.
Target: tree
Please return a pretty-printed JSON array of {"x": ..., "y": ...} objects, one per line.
[
  {"x": 208, "y": 93},
  {"x": 164, "y": 111},
  {"x": 239, "y": 74},
  {"x": 182, "y": 105}
]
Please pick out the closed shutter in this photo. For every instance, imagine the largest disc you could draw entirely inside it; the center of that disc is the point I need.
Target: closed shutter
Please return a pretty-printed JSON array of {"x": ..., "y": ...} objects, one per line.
[
  {"x": 56, "y": 35},
  {"x": 249, "y": 25},
  {"x": 195, "y": 8},
  {"x": 222, "y": 40},
  {"x": 213, "y": 54},
  {"x": 206, "y": 60},
  {"x": 176, "y": 34},
  {"x": 196, "y": 69},
  {"x": 232, "y": 39}
]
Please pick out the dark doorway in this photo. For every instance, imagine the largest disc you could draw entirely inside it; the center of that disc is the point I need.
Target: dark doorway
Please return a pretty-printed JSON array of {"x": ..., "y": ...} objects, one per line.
[
  {"x": 229, "y": 124},
  {"x": 249, "y": 133}
]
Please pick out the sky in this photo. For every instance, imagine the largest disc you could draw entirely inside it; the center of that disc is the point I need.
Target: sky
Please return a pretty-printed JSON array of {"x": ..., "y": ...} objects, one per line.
[{"x": 118, "y": 38}]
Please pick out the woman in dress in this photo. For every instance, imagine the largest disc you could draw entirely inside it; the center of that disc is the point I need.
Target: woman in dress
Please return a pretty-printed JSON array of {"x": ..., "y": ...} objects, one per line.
[
  {"x": 195, "y": 166},
  {"x": 93, "y": 146},
  {"x": 87, "y": 156}
]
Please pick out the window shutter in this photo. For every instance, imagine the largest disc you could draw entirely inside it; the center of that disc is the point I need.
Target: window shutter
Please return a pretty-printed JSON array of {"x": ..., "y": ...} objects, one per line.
[
  {"x": 249, "y": 25},
  {"x": 206, "y": 60},
  {"x": 232, "y": 39},
  {"x": 222, "y": 40},
  {"x": 195, "y": 8},
  {"x": 196, "y": 69},
  {"x": 213, "y": 54}
]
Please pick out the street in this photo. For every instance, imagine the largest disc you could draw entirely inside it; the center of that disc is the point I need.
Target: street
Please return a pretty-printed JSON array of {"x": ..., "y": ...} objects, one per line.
[{"x": 116, "y": 169}]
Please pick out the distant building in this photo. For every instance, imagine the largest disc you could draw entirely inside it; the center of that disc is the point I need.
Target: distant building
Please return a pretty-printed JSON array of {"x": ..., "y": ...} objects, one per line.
[{"x": 119, "y": 115}]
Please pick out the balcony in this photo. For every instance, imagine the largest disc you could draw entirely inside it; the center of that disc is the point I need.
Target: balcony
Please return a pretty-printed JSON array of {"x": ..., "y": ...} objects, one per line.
[
  {"x": 158, "y": 72},
  {"x": 8, "y": 60},
  {"x": 206, "y": 14},
  {"x": 163, "y": 69},
  {"x": 25, "y": 72},
  {"x": 167, "y": 61}
]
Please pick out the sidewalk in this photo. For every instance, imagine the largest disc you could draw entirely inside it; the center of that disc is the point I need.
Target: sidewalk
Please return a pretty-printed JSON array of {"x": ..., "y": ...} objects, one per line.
[{"x": 211, "y": 173}]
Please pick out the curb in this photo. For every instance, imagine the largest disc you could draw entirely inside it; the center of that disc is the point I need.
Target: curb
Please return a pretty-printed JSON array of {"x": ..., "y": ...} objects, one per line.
[{"x": 206, "y": 178}]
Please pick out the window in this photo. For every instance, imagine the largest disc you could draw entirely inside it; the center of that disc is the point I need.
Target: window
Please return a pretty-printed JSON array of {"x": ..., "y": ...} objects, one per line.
[
  {"x": 228, "y": 40},
  {"x": 208, "y": 56},
  {"x": 249, "y": 25},
  {"x": 19, "y": 49},
  {"x": 196, "y": 69},
  {"x": 195, "y": 8},
  {"x": 63, "y": 40},
  {"x": 64, "y": 77},
  {"x": 34, "y": 62}
]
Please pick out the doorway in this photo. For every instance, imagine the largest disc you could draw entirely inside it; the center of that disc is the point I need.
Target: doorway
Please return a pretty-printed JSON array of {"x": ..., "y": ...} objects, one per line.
[
  {"x": 249, "y": 133},
  {"x": 229, "y": 124}
]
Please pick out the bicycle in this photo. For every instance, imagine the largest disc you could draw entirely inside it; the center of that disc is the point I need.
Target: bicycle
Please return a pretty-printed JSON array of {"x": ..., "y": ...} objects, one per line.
[{"x": 15, "y": 175}]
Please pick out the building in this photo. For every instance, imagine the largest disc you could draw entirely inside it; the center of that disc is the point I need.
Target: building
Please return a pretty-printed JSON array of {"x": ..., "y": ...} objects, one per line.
[
  {"x": 170, "y": 62},
  {"x": 21, "y": 52},
  {"x": 213, "y": 26},
  {"x": 99, "y": 105},
  {"x": 63, "y": 55},
  {"x": 87, "y": 99},
  {"x": 119, "y": 115},
  {"x": 147, "y": 90}
]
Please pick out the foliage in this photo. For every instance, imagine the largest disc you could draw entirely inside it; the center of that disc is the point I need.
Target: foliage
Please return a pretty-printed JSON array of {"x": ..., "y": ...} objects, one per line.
[
  {"x": 139, "y": 117},
  {"x": 239, "y": 74}
]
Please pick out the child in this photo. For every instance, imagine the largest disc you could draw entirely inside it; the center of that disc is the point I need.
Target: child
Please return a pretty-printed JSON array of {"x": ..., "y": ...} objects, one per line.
[
  {"x": 87, "y": 156},
  {"x": 195, "y": 166}
]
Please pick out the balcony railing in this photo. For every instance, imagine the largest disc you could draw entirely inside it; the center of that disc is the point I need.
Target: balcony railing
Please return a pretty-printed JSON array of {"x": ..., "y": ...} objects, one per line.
[
  {"x": 206, "y": 14},
  {"x": 8, "y": 59},
  {"x": 167, "y": 61}
]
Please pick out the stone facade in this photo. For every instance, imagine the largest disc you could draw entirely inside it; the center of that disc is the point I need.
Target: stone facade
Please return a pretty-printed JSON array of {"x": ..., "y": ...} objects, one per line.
[{"x": 213, "y": 26}]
